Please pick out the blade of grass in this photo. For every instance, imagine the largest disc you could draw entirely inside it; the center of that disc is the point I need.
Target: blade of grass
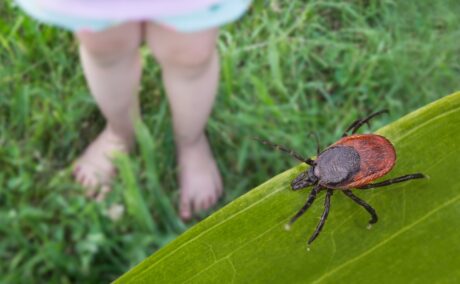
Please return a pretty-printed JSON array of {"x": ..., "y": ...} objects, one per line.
[{"x": 135, "y": 203}]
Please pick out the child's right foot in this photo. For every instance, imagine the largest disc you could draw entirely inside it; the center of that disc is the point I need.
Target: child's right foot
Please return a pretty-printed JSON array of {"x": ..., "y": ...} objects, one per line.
[
  {"x": 94, "y": 170},
  {"x": 200, "y": 180}
]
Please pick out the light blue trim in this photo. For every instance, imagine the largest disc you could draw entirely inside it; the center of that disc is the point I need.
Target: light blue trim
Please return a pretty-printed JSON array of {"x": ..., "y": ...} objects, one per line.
[{"x": 214, "y": 16}]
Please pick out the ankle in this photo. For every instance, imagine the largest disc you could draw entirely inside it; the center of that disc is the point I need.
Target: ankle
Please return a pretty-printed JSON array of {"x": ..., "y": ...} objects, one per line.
[
  {"x": 125, "y": 136},
  {"x": 187, "y": 144}
]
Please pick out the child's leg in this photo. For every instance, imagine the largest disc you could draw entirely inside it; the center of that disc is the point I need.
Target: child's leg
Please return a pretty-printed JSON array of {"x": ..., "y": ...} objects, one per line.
[
  {"x": 190, "y": 69},
  {"x": 111, "y": 64}
]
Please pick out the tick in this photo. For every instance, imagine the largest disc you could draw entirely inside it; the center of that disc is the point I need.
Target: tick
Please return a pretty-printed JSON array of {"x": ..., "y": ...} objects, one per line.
[{"x": 353, "y": 162}]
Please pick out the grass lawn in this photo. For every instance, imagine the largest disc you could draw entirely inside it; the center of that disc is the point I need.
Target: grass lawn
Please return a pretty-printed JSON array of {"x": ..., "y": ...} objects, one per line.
[{"x": 288, "y": 67}]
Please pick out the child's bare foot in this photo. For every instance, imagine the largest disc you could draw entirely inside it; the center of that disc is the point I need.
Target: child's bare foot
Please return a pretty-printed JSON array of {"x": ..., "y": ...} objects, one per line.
[
  {"x": 200, "y": 181},
  {"x": 94, "y": 169}
]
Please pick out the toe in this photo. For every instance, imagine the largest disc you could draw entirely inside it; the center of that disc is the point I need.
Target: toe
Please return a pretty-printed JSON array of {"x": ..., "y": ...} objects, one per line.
[
  {"x": 103, "y": 191},
  {"x": 218, "y": 183},
  {"x": 78, "y": 176},
  {"x": 86, "y": 180},
  {"x": 185, "y": 209},
  {"x": 83, "y": 180},
  {"x": 90, "y": 188},
  {"x": 75, "y": 171},
  {"x": 197, "y": 205},
  {"x": 212, "y": 200},
  {"x": 204, "y": 204}
]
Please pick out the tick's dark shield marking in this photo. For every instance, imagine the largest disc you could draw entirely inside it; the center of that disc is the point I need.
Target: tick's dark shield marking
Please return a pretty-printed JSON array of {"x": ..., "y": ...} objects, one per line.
[{"x": 352, "y": 162}]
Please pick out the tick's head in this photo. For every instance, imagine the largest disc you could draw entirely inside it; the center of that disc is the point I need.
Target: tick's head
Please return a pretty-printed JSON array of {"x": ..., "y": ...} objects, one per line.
[{"x": 305, "y": 179}]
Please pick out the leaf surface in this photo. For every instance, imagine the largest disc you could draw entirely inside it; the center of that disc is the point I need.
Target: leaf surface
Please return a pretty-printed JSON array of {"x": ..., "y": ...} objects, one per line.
[{"x": 415, "y": 239}]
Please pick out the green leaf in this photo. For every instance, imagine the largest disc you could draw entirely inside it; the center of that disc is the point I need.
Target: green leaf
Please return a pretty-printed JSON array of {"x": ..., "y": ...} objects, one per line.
[{"x": 415, "y": 240}]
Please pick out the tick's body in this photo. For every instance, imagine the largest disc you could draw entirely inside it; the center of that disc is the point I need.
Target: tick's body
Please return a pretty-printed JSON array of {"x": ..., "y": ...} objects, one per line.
[
  {"x": 352, "y": 162},
  {"x": 357, "y": 159}
]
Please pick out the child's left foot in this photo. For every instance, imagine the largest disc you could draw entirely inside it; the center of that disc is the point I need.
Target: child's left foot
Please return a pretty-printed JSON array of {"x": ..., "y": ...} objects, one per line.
[
  {"x": 94, "y": 169},
  {"x": 200, "y": 181}
]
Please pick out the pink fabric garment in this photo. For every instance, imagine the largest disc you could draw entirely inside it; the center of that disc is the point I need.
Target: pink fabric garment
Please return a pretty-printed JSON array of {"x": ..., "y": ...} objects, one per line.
[{"x": 119, "y": 10}]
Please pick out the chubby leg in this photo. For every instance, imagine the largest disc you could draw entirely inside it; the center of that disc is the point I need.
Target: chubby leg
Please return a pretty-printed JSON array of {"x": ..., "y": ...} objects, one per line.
[
  {"x": 111, "y": 65},
  {"x": 190, "y": 68}
]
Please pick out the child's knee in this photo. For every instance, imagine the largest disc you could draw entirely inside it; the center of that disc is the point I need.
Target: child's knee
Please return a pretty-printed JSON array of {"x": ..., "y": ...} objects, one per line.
[
  {"x": 182, "y": 50},
  {"x": 109, "y": 46},
  {"x": 171, "y": 54}
]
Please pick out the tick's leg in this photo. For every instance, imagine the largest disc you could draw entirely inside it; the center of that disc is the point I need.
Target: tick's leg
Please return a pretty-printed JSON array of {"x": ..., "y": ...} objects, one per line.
[
  {"x": 345, "y": 133},
  {"x": 359, "y": 122},
  {"x": 318, "y": 147},
  {"x": 307, "y": 205},
  {"x": 292, "y": 153},
  {"x": 393, "y": 180},
  {"x": 363, "y": 203},
  {"x": 327, "y": 205}
]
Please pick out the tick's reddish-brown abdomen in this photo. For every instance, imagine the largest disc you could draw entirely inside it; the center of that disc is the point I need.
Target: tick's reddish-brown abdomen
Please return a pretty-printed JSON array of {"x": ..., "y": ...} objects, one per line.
[{"x": 377, "y": 157}]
